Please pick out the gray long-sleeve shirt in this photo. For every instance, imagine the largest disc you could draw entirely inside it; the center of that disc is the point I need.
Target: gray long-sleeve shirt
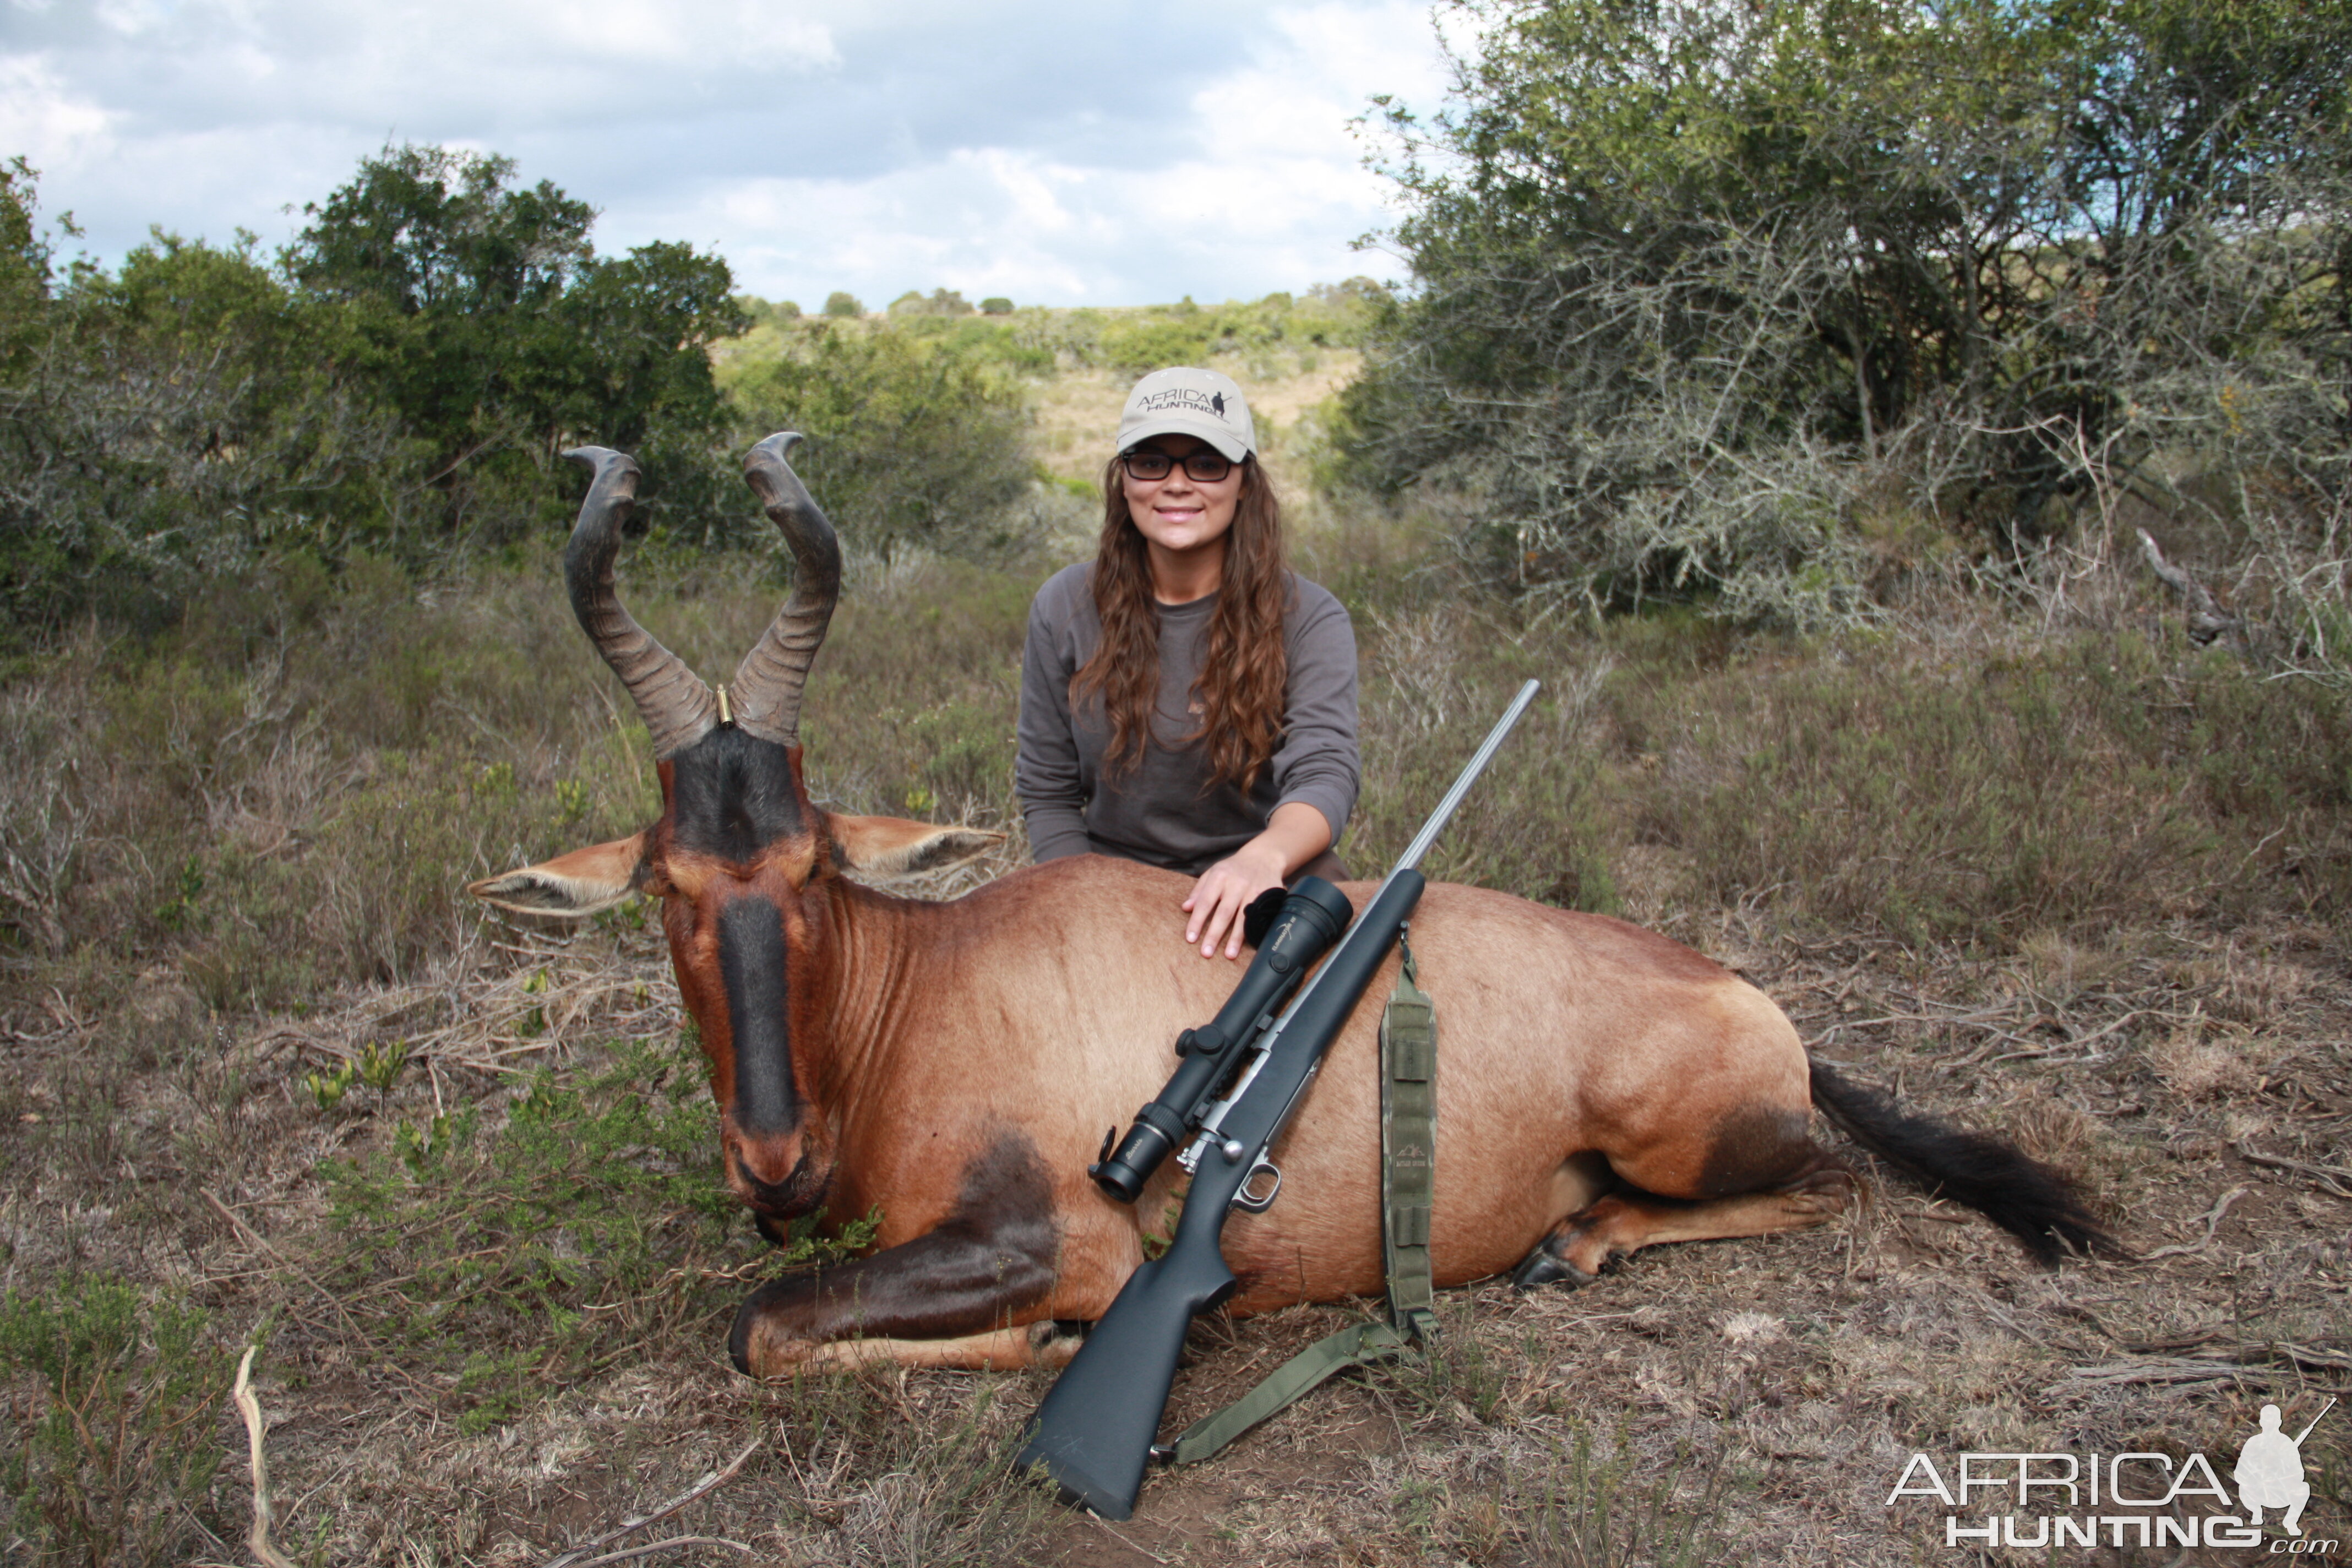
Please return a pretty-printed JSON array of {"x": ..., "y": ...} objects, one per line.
[{"x": 1159, "y": 812}]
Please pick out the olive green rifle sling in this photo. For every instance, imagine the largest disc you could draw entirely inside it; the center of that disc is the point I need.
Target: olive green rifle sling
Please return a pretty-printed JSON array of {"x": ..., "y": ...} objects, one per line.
[{"x": 1408, "y": 1190}]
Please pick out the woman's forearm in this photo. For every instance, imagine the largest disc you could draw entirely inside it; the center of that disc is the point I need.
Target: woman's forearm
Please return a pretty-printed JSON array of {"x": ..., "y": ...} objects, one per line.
[{"x": 1294, "y": 835}]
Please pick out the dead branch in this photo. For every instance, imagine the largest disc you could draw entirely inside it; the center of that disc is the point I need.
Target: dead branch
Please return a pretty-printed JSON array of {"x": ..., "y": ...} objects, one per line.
[
  {"x": 672, "y": 1544},
  {"x": 2156, "y": 1368},
  {"x": 2333, "y": 1179},
  {"x": 2212, "y": 1218},
  {"x": 2208, "y": 622},
  {"x": 708, "y": 1484},
  {"x": 250, "y": 1408}
]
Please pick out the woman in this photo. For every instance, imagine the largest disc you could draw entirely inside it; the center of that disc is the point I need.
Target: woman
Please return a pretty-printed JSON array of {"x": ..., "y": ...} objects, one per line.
[{"x": 1186, "y": 700}]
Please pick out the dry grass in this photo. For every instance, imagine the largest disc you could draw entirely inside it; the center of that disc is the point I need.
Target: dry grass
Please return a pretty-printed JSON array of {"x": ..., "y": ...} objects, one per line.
[{"x": 492, "y": 1291}]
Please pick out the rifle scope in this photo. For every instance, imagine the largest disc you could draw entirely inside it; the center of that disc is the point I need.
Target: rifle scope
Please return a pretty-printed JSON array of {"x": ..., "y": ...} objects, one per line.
[{"x": 1308, "y": 922}]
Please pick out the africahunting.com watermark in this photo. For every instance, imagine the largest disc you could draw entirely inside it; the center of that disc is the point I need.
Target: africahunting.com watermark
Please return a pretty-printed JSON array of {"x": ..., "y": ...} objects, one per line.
[{"x": 2089, "y": 1499}]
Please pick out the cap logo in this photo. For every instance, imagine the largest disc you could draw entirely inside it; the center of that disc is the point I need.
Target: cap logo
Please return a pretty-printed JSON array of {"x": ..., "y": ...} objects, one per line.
[{"x": 1182, "y": 400}]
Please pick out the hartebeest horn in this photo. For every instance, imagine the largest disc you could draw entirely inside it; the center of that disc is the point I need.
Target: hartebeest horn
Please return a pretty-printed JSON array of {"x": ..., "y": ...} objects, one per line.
[
  {"x": 767, "y": 691},
  {"x": 677, "y": 705}
]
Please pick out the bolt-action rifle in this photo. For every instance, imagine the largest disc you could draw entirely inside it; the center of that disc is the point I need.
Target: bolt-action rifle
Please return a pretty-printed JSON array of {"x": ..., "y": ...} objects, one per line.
[{"x": 1094, "y": 1432}]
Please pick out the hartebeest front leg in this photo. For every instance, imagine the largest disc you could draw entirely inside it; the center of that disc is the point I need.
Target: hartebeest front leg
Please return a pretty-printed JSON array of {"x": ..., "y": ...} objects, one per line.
[{"x": 966, "y": 1293}]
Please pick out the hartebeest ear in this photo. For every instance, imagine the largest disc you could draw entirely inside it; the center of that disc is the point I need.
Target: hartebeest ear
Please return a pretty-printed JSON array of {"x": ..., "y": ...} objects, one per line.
[
  {"x": 571, "y": 885},
  {"x": 893, "y": 847}
]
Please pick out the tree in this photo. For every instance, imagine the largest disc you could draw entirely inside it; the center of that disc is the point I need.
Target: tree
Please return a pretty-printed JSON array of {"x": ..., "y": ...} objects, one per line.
[
  {"x": 841, "y": 303},
  {"x": 482, "y": 316},
  {"x": 940, "y": 302},
  {"x": 23, "y": 265},
  {"x": 908, "y": 442},
  {"x": 172, "y": 421},
  {"x": 1697, "y": 283},
  {"x": 400, "y": 381}
]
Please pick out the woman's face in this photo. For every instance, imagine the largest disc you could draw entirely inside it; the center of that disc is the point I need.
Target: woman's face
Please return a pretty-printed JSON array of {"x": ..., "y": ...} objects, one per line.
[{"x": 1179, "y": 514}]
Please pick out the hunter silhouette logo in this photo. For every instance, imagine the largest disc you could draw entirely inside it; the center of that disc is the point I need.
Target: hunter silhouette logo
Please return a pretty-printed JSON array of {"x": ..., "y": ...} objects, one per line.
[
  {"x": 2144, "y": 1498},
  {"x": 2270, "y": 1470},
  {"x": 1182, "y": 399}
]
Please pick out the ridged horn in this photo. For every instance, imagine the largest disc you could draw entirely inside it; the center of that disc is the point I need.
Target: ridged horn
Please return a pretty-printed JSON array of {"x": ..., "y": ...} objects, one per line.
[
  {"x": 677, "y": 705},
  {"x": 767, "y": 690}
]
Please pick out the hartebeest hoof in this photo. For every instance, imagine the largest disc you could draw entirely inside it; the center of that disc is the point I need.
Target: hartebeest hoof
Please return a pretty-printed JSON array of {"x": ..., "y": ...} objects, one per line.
[{"x": 1540, "y": 1268}]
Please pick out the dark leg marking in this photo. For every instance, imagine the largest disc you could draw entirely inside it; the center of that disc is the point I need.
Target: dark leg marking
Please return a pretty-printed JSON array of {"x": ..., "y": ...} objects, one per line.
[
  {"x": 1763, "y": 1174},
  {"x": 991, "y": 1256},
  {"x": 1755, "y": 1149}
]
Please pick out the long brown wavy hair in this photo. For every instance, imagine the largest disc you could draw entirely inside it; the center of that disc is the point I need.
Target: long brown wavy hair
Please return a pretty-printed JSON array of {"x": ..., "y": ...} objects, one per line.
[{"x": 1246, "y": 666}]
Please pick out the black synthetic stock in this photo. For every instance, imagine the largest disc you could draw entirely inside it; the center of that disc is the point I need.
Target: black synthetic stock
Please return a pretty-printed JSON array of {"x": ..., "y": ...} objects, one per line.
[
  {"x": 2016, "y": 1192},
  {"x": 1094, "y": 1431}
]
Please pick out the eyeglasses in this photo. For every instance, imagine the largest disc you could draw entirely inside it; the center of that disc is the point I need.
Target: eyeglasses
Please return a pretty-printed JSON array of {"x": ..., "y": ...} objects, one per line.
[{"x": 1204, "y": 465}]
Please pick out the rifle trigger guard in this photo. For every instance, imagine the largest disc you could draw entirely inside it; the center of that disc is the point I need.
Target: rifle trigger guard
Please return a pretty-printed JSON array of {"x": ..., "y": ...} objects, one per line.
[{"x": 1245, "y": 1200}]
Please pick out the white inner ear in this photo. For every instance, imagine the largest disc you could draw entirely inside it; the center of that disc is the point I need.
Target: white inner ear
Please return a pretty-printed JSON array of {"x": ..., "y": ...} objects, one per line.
[
  {"x": 891, "y": 846},
  {"x": 532, "y": 891},
  {"x": 569, "y": 887}
]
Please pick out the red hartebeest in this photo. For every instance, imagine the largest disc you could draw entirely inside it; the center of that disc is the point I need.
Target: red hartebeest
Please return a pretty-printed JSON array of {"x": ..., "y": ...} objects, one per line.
[{"x": 955, "y": 1065}]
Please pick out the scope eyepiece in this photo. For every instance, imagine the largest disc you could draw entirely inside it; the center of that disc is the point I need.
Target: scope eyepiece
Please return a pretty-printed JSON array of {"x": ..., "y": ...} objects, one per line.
[{"x": 1310, "y": 920}]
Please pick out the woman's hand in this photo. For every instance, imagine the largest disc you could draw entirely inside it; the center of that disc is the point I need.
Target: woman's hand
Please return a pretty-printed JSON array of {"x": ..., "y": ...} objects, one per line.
[{"x": 1294, "y": 835}]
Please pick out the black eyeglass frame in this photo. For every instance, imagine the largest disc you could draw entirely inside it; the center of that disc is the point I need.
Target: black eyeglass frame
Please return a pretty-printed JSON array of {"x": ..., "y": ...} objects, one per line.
[{"x": 1197, "y": 456}]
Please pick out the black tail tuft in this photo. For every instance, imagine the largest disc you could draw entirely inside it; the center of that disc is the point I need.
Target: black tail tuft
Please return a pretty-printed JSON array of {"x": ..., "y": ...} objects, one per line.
[{"x": 2008, "y": 1186}]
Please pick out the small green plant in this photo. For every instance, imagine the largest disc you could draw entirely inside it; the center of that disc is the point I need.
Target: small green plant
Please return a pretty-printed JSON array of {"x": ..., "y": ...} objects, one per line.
[
  {"x": 1156, "y": 1242},
  {"x": 570, "y": 802},
  {"x": 1592, "y": 1511},
  {"x": 109, "y": 1394},
  {"x": 806, "y": 1245},
  {"x": 534, "y": 1018},
  {"x": 381, "y": 1062},
  {"x": 179, "y": 911},
  {"x": 329, "y": 1088}
]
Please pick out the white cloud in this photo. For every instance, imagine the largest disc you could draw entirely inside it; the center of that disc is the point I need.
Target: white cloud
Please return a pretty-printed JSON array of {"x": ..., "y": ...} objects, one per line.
[
  {"x": 1063, "y": 150},
  {"x": 42, "y": 120}
]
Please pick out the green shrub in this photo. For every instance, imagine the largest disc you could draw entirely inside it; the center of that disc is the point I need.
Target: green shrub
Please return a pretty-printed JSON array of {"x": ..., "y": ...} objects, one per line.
[
  {"x": 511, "y": 1258},
  {"x": 909, "y": 444},
  {"x": 112, "y": 1429}
]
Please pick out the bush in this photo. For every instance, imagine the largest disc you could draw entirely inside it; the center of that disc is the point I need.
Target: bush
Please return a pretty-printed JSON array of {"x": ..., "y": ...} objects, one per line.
[
  {"x": 112, "y": 1427},
  {"x": 909, "y": 443},
  {"x": 1676, "y": 330},
  {"x": 840, "y": 303},
  {"x": 400, "y": 381}
]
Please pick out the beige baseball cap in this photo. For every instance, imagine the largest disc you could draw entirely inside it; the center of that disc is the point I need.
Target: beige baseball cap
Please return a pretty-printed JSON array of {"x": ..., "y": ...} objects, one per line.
[{"x": 1185, "y": 401}]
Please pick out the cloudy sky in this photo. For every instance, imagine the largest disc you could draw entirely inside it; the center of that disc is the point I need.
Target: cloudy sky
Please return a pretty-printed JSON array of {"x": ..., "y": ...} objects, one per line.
[{"x": 1057, "y": 151}]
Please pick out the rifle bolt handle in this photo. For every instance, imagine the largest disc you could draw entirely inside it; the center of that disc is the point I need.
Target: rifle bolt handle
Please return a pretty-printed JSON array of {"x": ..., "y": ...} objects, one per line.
[{"x": 1232, "y": 1150}]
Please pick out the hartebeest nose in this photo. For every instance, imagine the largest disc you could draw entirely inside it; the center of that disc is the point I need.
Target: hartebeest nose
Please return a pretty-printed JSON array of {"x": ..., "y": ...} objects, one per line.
[
  {"x": 765, "y": 1104},
  {"x": 780, "y": 1177}
]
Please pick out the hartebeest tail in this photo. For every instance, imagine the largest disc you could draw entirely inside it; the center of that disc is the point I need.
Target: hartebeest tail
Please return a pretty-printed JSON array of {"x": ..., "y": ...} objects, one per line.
[{"x": 2016, "y": 1192}]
